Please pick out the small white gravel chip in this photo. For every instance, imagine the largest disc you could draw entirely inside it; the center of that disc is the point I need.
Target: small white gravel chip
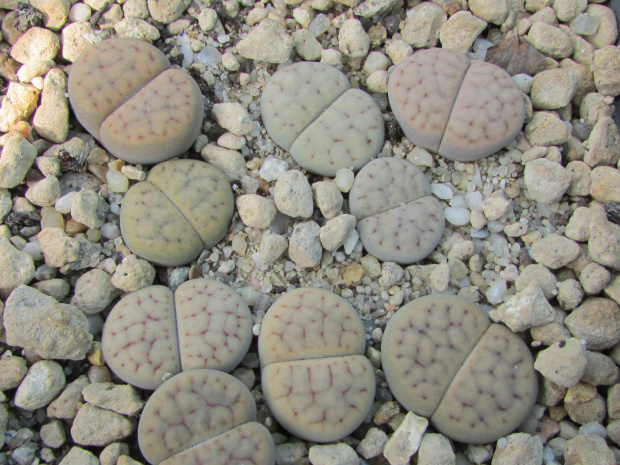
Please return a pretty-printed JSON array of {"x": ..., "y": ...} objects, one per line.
[
  {"x": 563, "y": 363},
  {"x": 16, "y": 267},
  {"x": 406, "y": 439},
  {"x": 457, "y": 216},
  {"x": 79, "y": 12},
  {"x": 496, "y": 292},
  {"x": 133, "y": 274},
  {"x": 328, "y": 198},
  {"x": 353, "y": 40},
  {"x": 234, "y": 117},
  {"x": 117, "y": 182},
  {"x": 304, "y": 246},
  {"x": 335, "y": 231},
  {"x": 496, "y": 206},
  {"x": 42, "y": 383},
  {"x": 267, "y": 42},
  {"x": 527, "y": 308},
  {"x": 256, "y": 211},
  {"x": 63, "y": 204},
  {"x": 272, "y": 168},
  {"x": 344, "y": 179},
  {"x": 272, "y": 247},
  {"x": 293, "y": 194},
  {"x": 442, "y": 191}
]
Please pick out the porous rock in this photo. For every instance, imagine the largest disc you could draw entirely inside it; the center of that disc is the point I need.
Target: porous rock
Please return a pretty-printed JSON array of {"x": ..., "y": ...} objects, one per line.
[{"x": 42, "y": 383}]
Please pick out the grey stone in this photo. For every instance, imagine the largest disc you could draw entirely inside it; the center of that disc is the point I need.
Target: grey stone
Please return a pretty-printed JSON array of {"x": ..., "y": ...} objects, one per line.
[
  {"x": 89, "y": 208},
  {"x": 65, "y": 406},
  {"x": 166, "y": 11},
  {"x": 256, "y": 211},
  {"x": 328, "y": 198},
  {"x": 597, "y": 320},
  {"x": 353, "y": 40},
  {"x": 94, "y": 426},
  {"x": 335, "y": 231},
  {"x": 519, "y": 448},
  {"x": 461, "y": 30},
  {"x": 18, "y": 155},
  {"x": 68, "y": 253},
  {"x": 42, "y": 383},
  {"x": 423, "y": 24},
  {"x": 545, "y": 180},
  {"x": 435, "y": 449},
  {"x": 293, "y": 194},
  {"x": 304, "y": 246},
  {"x": 79, "y": 456},
  {"x": 12, "y": 371},
  {"x": 604, "y": 243},
  {"x": 51, "y": 120},
  {"x": 16, "y": 267},
  {"x": 94, "y": 292},
  {"x": 554, "y": 251},
  {"x": 563, "y": 363},
  {"x": 112, "y": 452},
  {"x": 333, "y": 454},
  {"x": 53, "y": 434},
  {"x": 123, "y": 399},
  {"x": 272, "y": 246},
  {"x": 373, "y": 443},
  {"x": 268, "y": 42}
]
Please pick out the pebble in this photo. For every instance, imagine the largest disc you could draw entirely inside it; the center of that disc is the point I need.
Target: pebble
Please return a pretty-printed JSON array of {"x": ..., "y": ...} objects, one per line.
[
  {"x": 12, "y": 371},
  {"x": 604, "y": 243},
  {"x": 550, "y": 40},
  {"x": 353, "y": 40},
  {"x": 423, "y": 24},
  {"x": 45, "y": 192},
  {"x": 554, "y": 251},
  {"x": 268, "y": 42},
  {"x": 94, "y": 292},
  {"x": 537, "y": 275},
  {"x": 435, "y": 449},
  {"x": 230, "y": 162},
  {"x": 605, "y": 184},
  {"x": 333, "y": 454},
  {"x": 496, "y": 292},
  {"x": 597, "y": 320},
  {"x": 80, "y": 12},
  {"x": 39, "y": 323},
  {"x": 545, "y": 180},
  {"x": 51, "y": 120},
  {"x": 137, "y": 29},
  {"x": 603, "y": 144},
  {"x": 461, "y": 30},
  {"x": 584, "y": 449},
  {"x": 89, "y": 208},
  {"x": 112, "y": 452},
  {"x": 306, "y": 45},
  {"x": 36, "y": 44},
  {"x": 580, "y": 178},
  {"x": 570, "y": 294},
  {"x": 525, "y": 309},
  {"x": 594, "y": 278},
  {"x": 256, "y": 211},
  {"x": 607, "y": 32},
  {"x": 304, "y": 246},
  {"x": 563, "y": 363},
  {"x": 491, "y": 11},
  {"x": 344, "y": 179},
  {"x": 376, "y": 61},
  {"x": 18, "y": 155},
  {"x": 398, "y": 50},
  {"x": 457, "y": 216},
  {"x": 553, "y": 89},
  {"x": 291, "y": 453},
  {"x": 373, "y": 443},
  {"x": 133, "y": 274},
  {"x": 79, "y": 456},
  {"x": 65, "y": 406},
  {"x": 601, "y": 370},
  {"x": 234, "y": 117},
  {"x": 168, "y": 11},
  {"x": 335, "y": 231},
  {"x": 293, "y": 195},
  {"x": 53, "y": 434},
  {"x": 122, "y": 399},
  {"x": 519, "y": 448},
  {"x": 272, "y": 168},
  {"x": 94, "y": 426},
  {"x": 272, "y": 247},
  {"x": 406, "y": 439},
  {"x": 606, "y": 69},
  {"x": 16, "y": 267},
  {"x": 42, "y": 383},
  {"x": 328, "y": 198},
  {"x": 496, "y": 206},
  {"x": 584, "y": 404},
  {"x": 68, "y": 253}
]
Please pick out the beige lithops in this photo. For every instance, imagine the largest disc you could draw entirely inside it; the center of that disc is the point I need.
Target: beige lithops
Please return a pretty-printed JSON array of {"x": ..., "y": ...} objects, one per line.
[
  {"x": 459, "y": 109},
  {"x": 153, "y": 331},
  {"x": 203, "y": 417},
  {"x": 183, "y": 207},
  {"x": 310, "y": 109},
  {"x": 125, "y": 94},
  {"x": 443, "y": 359},
  {"x": 315, "y": 380}
]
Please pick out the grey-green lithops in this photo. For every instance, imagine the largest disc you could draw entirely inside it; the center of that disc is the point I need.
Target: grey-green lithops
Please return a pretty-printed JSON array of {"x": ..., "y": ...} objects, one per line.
[
  {"x": 397, "y": 217},
  {"x": 203, "y": 417},
  {"x": 443, "y": 359},
  {"x": 153, "y": 331},
  {"x": 310, "y": 110},
  {"x": 183, "y": 207},
  {"x": 124, "y": 92},
  {"x": 315, "y": 380}
]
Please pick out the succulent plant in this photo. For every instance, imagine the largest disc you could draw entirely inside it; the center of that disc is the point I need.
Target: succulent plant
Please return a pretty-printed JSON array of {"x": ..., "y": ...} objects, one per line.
[
  {"x": 183, "y": 207},
  {"x": 124, "y": 93},
  {"x": 315, "y": 380},
  {"x": 153, "y": 331},
  {"x": 443, "y": 359},
  {"x": 459, "y": 109},
  {"x": 397, "y": 217},
  {"x": 203, "y": 417},
  {"x": 310, "y": 110}
]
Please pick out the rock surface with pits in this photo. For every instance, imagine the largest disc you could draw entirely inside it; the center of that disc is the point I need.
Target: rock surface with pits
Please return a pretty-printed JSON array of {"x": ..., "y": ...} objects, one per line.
[
  {"x": 444, "y": 360},
  {"x": 311, "y": 110},
  {"x": 153, "y": 331},
  {"x": 459, "y": 109},
  {"x": 183, "y": 207},
  {"x": 397, "y": 217},
  {"x": 315, "y": 380},
  {"x": 123, "y": 92},
  {"x": 203, "y": 417}
]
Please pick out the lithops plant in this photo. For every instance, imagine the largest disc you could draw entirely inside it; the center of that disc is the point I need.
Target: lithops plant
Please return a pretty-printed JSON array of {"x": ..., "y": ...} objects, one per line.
[
  {"x": 311, "y": 110},
  {"x": 444, "y": 360},
  {"x": 124, "y": 93},
  {"x": 459, "y": 109},
  {"x": 203, "y": 417},
  {"x": 315, "y": 380},
  {"x": 398, "y": 219},
  {"x": 153, "y": 331},
  {"x": 182, "y": 208}
]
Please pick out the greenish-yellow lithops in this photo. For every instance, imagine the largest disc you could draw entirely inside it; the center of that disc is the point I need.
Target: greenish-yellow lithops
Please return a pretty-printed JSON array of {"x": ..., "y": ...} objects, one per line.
[
  {"x": 183, "y": 207},
  {"x": 310, "y": 110},
  {"x": 153, "y": 331},
  {"x": 203, "y": 417},
  {"x": 315, "y": 380},
  {"x": 443, "y": 359}
]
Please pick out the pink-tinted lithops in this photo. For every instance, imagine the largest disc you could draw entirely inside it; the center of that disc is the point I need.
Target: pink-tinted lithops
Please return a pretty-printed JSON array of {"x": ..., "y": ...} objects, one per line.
[
  {"x": 203, "y": 417},
  {"x": 398, "y": 219},
  {"x": 315, "y": 380},
  {"x": 153, "y": 331},
  {"x": 124, "y": 93},
  {"x": 182, "y": 208},
  {"x": 444, "y": 360},
  {"x": 310, "y": 110},
  {"x": 459, "y": 109}
]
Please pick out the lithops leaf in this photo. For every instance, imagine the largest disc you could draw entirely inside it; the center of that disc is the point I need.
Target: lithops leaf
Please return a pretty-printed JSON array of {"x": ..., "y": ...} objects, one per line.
[
  {"x": 191, "y": 408},
  {"x": 180, "y": 201},
  {"x": 296, "y": 95},
  {"x": 139, "y": 340},
  {"x": 310, "y": 323},
  {"x": 157, "y": 123},
  {"x": 320, "y": 400},
  {"x": 314, "y": 378},
  {"x": 493, "y": 392},
  {"x": 109, "y": 73},
  {"x": 214, "y": 325},
  {"x": 424, "y": 345},
  {"x": 398, "y": 219},
  {"x": 460, "y": 110},
  {"x": 442, "y": 359},
  {"x": 348, "y": 134},
  {"x": 250, "y": 443}
]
